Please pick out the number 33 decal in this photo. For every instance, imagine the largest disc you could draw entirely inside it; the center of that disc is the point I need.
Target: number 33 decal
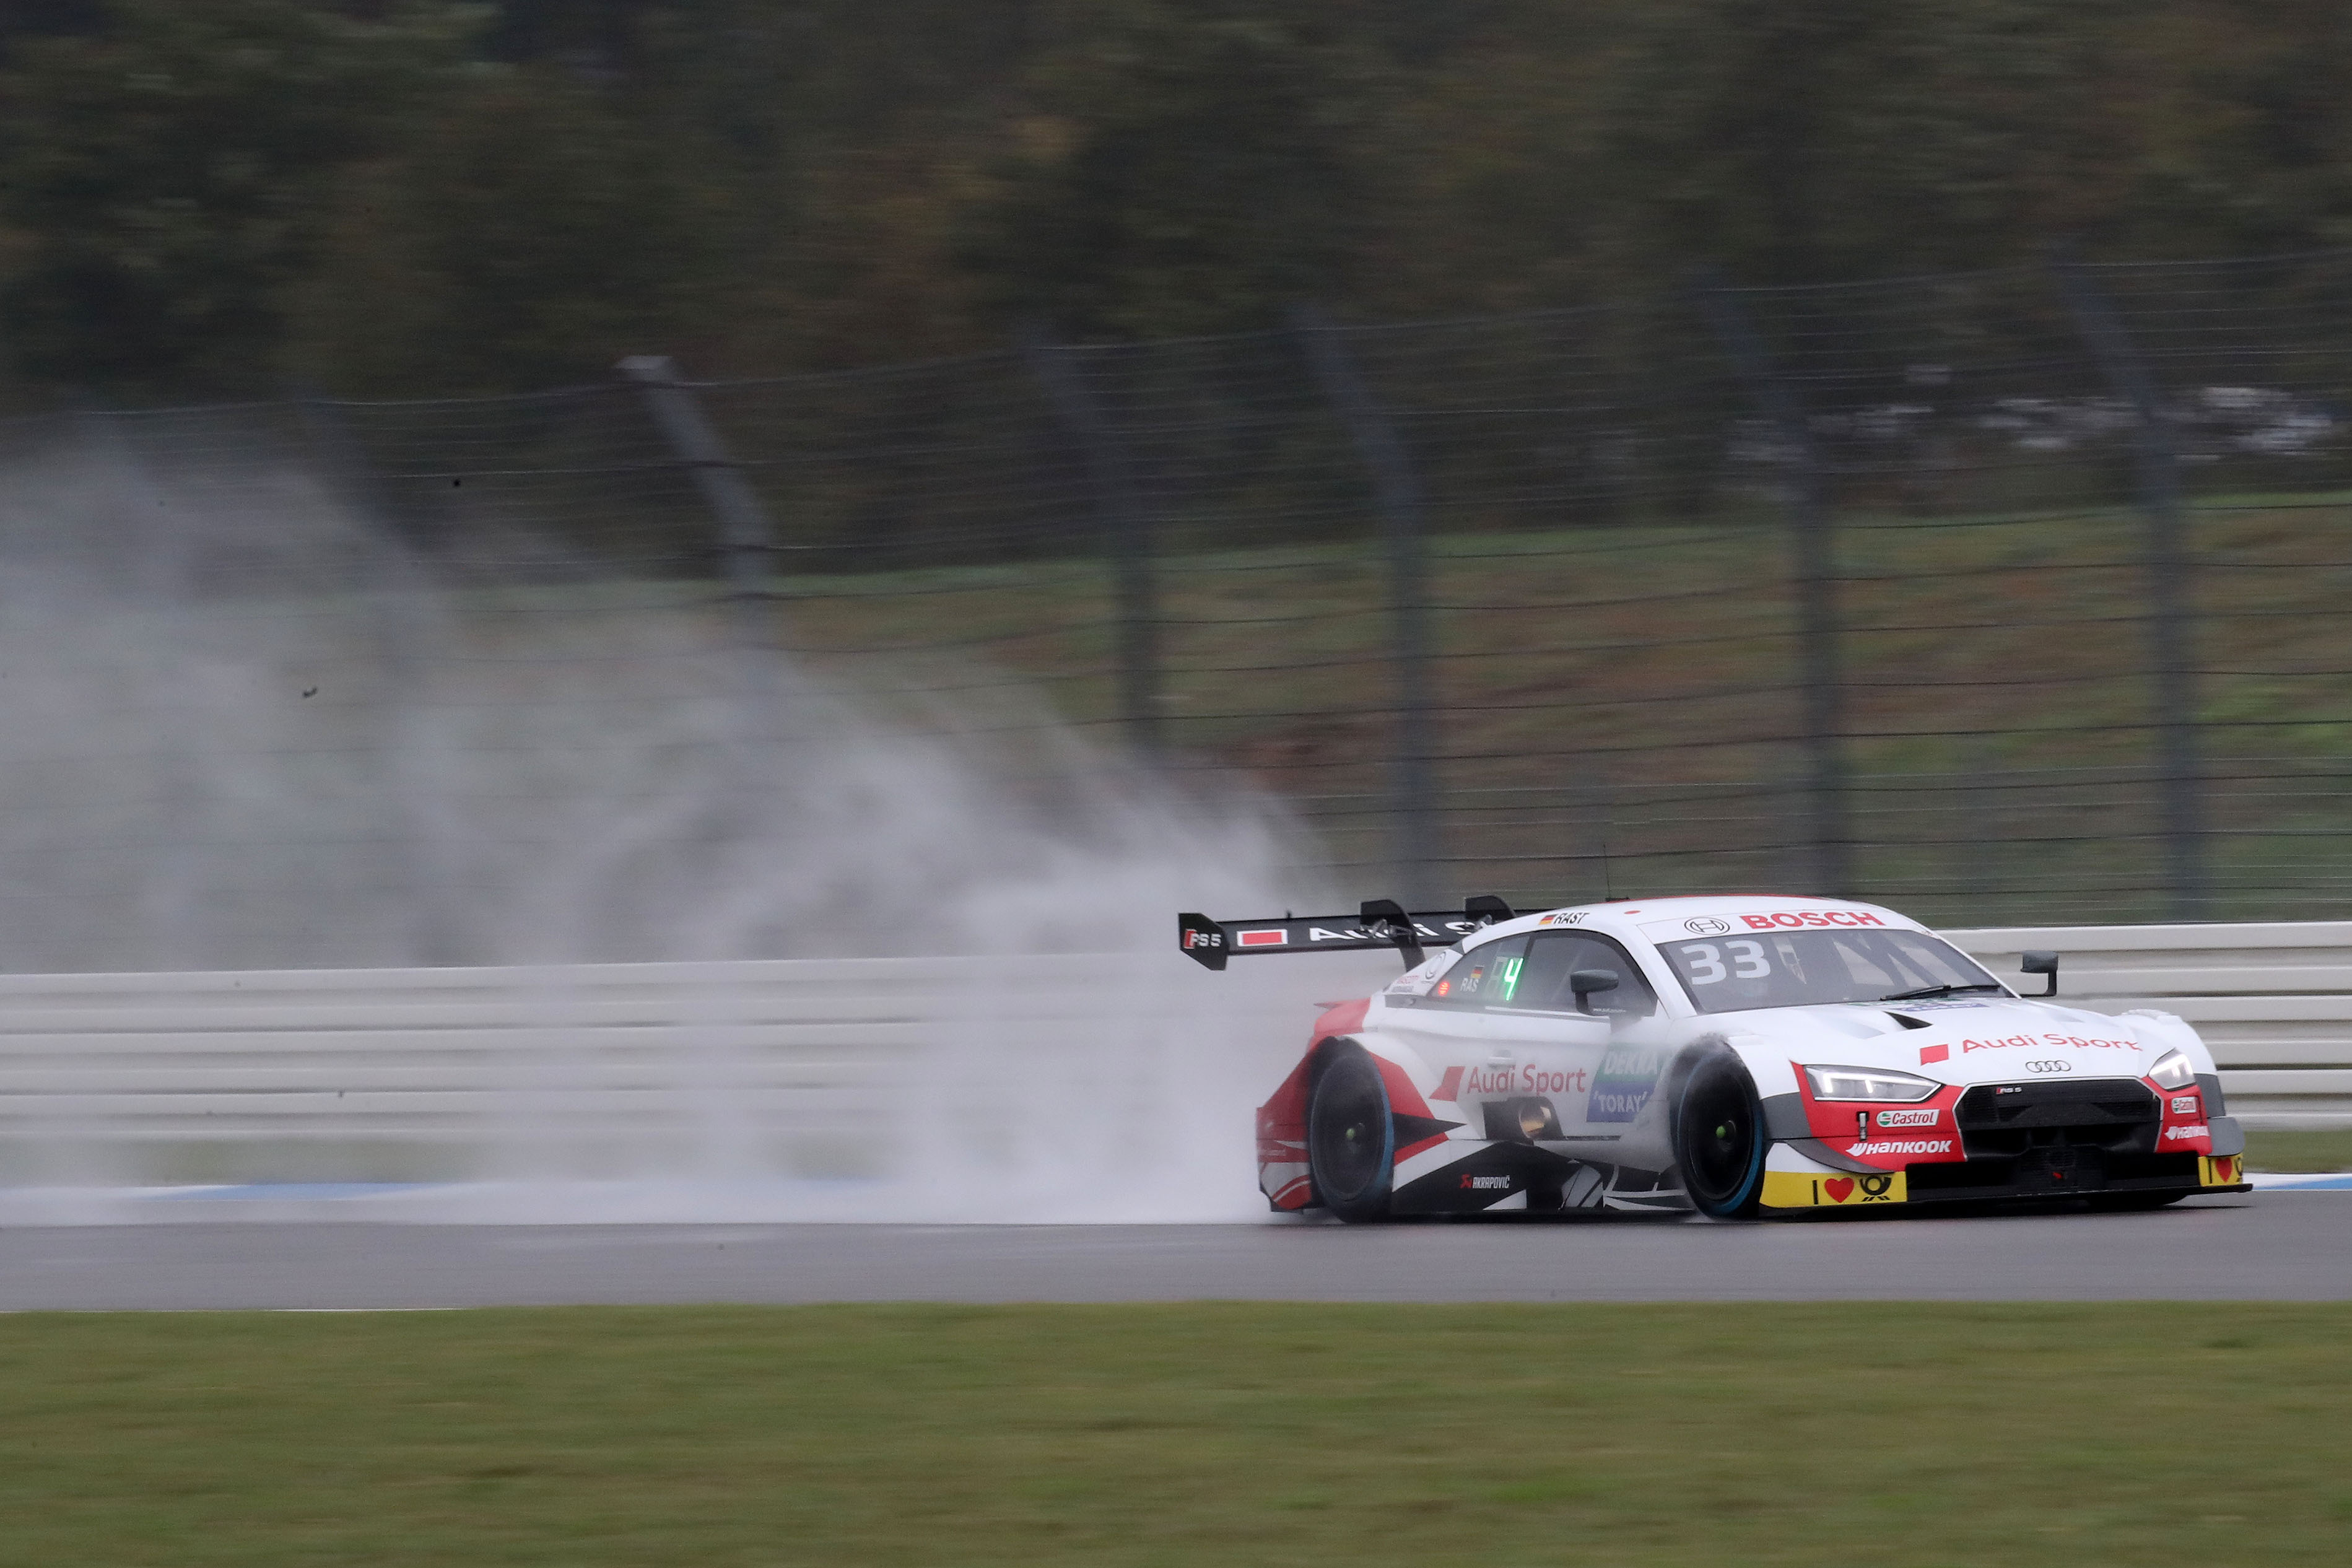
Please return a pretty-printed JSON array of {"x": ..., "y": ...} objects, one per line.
[{"x": 1706, "y": 963}]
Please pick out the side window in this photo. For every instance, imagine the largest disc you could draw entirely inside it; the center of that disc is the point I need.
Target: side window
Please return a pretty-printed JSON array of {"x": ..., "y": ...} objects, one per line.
[
  {"x": 1484, "y": 975},
  {"x": 1553, "y": 956}
]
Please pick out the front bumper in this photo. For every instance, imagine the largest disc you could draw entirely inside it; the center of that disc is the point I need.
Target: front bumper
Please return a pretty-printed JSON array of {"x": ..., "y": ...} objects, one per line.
[{"x": 2037, "y": 1174}]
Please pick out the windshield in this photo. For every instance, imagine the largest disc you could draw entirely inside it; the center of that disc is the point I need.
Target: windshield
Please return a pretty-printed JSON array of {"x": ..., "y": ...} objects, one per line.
[{"x": 1800, "y": 968}]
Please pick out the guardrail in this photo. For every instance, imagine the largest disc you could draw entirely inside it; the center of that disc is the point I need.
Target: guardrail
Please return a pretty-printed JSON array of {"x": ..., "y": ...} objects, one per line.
[
  {"x": 2273, "y": 1001},
  {"x": 835, "y": 1067},
  {"x": 822, "y": 1067}
]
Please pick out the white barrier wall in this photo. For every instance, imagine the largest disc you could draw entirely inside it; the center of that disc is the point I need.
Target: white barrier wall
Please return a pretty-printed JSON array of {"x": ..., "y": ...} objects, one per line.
[{"x": 822, "y": 1066}]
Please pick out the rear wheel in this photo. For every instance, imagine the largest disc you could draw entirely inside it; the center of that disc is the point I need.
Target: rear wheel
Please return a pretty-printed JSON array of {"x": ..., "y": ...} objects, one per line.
[
  {"x": 1350, "y": 1140},
  {"x": 1719, "y": 1141}
]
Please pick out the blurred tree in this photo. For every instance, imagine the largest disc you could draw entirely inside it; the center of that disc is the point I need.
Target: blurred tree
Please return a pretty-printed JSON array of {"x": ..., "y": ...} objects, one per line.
[
  {"x": 534, "y": 234},
  {"x": 166, "y": 179},
  {"x": 1185, "y": 166},
  {"x": 404, "y": 194}
]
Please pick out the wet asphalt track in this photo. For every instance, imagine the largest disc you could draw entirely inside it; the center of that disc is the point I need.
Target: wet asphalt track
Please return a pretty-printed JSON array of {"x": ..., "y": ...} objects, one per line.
[{"x": 2264, "y": 1246}]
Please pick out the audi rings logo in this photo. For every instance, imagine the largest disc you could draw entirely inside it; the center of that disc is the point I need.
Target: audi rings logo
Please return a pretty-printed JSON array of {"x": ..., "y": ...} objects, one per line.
[
  {"x": 2050, "y": 1067},
  {"x": 1707, "y": 925}
]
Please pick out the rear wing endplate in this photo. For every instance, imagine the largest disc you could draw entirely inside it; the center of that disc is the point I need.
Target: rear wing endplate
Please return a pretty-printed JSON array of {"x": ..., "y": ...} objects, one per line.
[{"x": 1381, "y": 923}]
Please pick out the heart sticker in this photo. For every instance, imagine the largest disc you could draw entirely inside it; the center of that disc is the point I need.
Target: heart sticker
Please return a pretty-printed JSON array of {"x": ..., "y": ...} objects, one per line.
[{"x": 1839, "y": 1188}]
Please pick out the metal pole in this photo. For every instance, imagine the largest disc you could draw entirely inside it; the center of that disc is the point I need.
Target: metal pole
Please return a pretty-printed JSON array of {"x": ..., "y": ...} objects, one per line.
[
  {"x": 2172, "y": 627},
  {"x": 747, "y": 538},
  {"x": 1814, "y": 546},
  {"x": 1398, "y": 494},
  {"x": 1126, "y": 525},
  {"x": 747, "y": 541}
]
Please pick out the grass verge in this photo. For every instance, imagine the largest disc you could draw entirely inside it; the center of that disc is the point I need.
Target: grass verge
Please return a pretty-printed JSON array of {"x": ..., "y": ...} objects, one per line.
[
  {"x": 2285, "y": 1152},
  {"x": 1894, "y": 1433}
]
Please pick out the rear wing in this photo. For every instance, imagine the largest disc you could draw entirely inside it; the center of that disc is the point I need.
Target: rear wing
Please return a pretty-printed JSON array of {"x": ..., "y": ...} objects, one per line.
[{"x": 1381, "y": 923}]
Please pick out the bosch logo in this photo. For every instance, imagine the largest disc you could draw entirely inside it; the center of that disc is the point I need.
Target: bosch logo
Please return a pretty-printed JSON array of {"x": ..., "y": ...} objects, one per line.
[
  {"x": 1707, "y": 925},
  {"x": 2050, "y": 1067}
]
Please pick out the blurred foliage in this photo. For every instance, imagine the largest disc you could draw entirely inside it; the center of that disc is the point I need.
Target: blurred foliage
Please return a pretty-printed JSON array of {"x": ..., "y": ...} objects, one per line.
[
  {"x": 167, "y": 177},
  {"x": 412, "y": 196}
]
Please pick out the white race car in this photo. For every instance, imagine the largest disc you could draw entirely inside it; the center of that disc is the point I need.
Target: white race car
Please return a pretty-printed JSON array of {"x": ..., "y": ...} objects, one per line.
[{"x": 1741, "y": 1056}]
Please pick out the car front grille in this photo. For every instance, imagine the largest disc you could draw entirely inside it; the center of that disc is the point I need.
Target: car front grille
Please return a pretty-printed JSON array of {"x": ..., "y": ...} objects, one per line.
[{"x": 2006, "y": 1121}]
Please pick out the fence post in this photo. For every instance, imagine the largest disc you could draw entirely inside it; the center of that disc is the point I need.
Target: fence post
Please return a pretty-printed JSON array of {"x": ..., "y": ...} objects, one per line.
[
  {"x": 1398, "y": 494},
  {"x": 747, "y": 538},
  {"x": 1814, "y": 546},
  {"x": 1126, "y": 525},
  {"x": 2172, "y": 656}
]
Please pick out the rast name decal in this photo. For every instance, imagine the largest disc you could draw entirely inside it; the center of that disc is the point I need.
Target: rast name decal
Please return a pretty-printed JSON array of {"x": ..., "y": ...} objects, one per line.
[{"x": 1628, "y": 1077}]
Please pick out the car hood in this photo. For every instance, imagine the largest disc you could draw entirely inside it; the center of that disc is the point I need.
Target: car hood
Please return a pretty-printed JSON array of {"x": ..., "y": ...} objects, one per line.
[{"x": 1964, "y": 1040}]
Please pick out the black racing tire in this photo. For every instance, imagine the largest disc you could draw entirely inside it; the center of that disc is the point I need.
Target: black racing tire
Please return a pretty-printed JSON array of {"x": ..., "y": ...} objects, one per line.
[
  {"x": 2135, "y": 1202},
  {"x": 1351, "y": 1139},
  {"x": 1719, "y": 1138}
]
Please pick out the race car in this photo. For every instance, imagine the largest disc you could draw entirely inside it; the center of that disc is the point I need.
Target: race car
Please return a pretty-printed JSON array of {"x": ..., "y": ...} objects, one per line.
[{"x": 1744, "y": 1057}]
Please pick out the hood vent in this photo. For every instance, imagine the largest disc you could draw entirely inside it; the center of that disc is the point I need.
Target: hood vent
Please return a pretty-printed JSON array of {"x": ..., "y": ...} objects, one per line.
[{"x": 1910, "y": 1023}]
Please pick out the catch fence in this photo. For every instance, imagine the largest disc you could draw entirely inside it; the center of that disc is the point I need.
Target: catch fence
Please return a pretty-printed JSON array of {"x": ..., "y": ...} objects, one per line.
[{"x": 1997, "y": 596}]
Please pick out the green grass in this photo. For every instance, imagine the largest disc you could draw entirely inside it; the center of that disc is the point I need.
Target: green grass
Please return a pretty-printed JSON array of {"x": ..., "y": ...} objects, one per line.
[
  {"x": 2329, "y": 1151},
  {"x": 1882, "y": 1432}
]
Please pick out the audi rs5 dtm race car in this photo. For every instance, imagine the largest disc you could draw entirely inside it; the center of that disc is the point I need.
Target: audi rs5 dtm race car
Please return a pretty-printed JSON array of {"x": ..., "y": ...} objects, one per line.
[{"x": 1741, "y": 1056}]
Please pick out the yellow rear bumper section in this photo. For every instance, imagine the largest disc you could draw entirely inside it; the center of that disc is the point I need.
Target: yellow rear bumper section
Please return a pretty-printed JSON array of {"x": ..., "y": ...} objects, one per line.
[{"x": 1794, "y": 1190}]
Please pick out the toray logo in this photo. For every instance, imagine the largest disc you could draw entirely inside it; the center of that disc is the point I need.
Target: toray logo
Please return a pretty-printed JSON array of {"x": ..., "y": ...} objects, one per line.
[
  {"x": 1788, "y": 921},
  {"x": 1707, "y": 925}
]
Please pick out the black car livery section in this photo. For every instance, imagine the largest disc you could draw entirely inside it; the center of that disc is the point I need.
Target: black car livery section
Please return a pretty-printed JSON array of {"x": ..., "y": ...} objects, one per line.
[{"x": 1381, "y": 923}]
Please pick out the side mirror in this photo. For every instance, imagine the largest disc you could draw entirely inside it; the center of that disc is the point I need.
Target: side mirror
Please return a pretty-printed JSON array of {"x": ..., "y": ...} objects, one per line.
[
  {"x": 1586, "y": 982},
  {"x": 2042, "y": 964}
]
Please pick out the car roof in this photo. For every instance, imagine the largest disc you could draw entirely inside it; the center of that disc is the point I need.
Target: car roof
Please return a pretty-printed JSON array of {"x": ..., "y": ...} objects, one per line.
[{"x": 1651, "y": 921}]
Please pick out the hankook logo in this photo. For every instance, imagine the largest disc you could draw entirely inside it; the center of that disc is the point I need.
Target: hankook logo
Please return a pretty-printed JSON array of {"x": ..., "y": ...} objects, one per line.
[
  {"x": 1707, "y": 925},
  {"x": 2050, "y": 1067}
]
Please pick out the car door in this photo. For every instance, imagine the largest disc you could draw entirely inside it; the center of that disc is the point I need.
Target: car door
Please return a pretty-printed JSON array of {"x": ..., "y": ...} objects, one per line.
[
  {"x": 1596, "y": 1066},
  {"x": 1500, "y": 1049}
]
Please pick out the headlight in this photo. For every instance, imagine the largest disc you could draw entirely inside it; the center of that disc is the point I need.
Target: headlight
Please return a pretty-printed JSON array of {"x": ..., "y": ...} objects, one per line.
[
  {"x": 2173, "y": 1070},
  {"x": 1868, "y": 1083}
]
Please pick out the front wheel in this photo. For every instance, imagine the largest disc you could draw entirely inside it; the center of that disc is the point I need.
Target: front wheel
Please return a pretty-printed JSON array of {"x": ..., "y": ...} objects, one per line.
[
  {"x": 1719, "y": 1141},
  {"x": 1350, "y": 1139}
]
